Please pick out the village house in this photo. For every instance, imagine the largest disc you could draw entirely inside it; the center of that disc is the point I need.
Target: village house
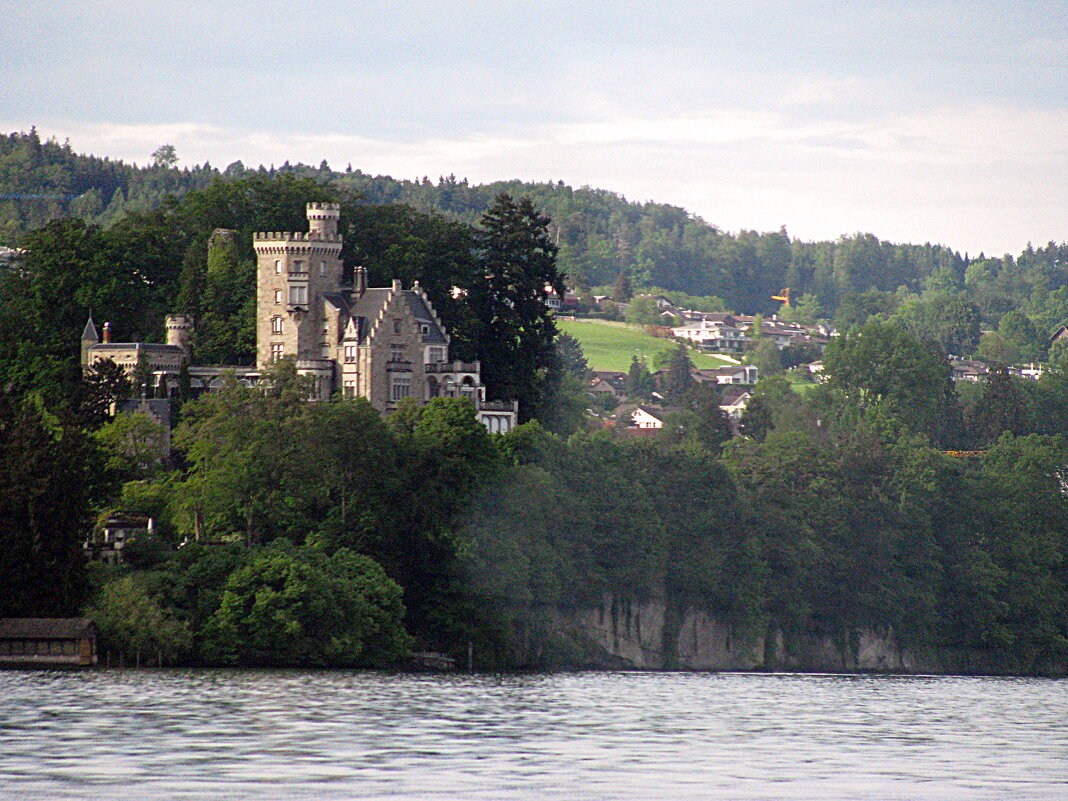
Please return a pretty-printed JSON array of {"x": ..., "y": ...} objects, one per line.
[
  {"x": 715, "y": 335},
  {"x": 728, "y": 374},
  {"x": 385, "y": 344},
  {"x": 608, "y": 382}
]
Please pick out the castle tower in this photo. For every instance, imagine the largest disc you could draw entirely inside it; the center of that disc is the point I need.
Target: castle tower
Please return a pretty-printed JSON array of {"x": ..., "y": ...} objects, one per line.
[
  {"x": 180, "y": 332},
  {"x": 293, "y": 270},
  {"x": 90, "y": 337}
]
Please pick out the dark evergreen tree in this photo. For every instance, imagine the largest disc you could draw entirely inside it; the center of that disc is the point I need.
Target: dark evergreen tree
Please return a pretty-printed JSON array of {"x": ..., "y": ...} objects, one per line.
[
  {"x": 514, "y": 329},
  {"x": 678, "y": 380},
  {"x": 622, "y": 291},
  {"x": 571, "y": 358},
  {"x": 1001, "y": 408},
  {"x": 756, "y": 420}
]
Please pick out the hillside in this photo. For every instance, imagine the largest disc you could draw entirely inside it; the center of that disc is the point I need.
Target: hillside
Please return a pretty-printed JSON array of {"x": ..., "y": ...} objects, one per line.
[
  {"x": 599, "y": 234},
  {"x": 610, "y": 345}
]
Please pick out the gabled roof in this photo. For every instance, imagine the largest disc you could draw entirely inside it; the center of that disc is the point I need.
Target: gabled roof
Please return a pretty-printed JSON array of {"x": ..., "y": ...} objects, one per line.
[
  {"x": 60, "y": 628},
  {"x": 434, "y": 335}
]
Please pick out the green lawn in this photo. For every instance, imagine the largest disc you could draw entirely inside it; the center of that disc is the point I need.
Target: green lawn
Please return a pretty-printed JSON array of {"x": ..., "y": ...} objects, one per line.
[{"x": 610, "y": 345}]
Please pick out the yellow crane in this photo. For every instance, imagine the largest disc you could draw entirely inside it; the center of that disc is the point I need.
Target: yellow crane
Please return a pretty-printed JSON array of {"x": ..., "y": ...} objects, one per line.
[{"x": 784, "y": 297}]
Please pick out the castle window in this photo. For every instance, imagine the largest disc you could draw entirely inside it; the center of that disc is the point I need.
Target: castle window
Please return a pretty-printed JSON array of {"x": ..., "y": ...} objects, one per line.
[
  {"x": 350, "y": 388},
  {"x": 436, "y": 355},
  {"x": 324, "y": 350},
  {"x": 424, "y": 328},
  {"x": 396, "y": 353},
  {"x": 276, "y": 325},
  {"x": 322, "y": 268},
  {"x": 277, "y": 351},
  {"x": 298, "y": 266},
  {"x": 400, "y": 388},
  {"x": 278, "y": 296},
  {"x": 350, "y": 354},
  {"x": 298, "y": 296},
  {"x": 277, "y": 266},
  {"x": 396, "y": 326}
]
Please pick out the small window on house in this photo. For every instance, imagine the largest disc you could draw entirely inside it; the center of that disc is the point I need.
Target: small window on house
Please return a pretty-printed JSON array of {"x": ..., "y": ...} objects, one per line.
[
  {"x": 277, "y": 351},
  {"x": 298, "y": 296},
  {"x": 322, "y": 268},
  {"x": 276, "y": 325},
  {"x": 424, "y": 328},
  {"x": 396, "y": 353},
  {"x": 350, "y": 388},
  {"x": 278, "y": 296},
  {"x": 277, "y": 266},
  {"x": 298, "y": 266},
  {"x": 396, "y": 326},
  {"x": 350, "y": 354}
]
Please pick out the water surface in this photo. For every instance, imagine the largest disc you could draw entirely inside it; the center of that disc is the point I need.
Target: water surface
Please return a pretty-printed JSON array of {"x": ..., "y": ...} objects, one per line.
[{"x": 215, "y": 734}]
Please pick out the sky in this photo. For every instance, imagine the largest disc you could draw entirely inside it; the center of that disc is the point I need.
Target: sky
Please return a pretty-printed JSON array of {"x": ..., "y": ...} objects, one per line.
[{"x": 916, "y": 121}]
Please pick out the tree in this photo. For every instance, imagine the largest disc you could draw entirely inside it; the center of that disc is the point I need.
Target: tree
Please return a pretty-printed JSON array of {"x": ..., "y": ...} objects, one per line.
[
  {"x": 678, "y": 380},
  {"x": 1002, "y": 406},
  {"x": 134, "y": 443},
  {"x": 1020, "y": 331},
  {"x": 512, "y": 325},
  {"x": 882, "y": 363},
  {"x": 164, "y": 156},
  {"x": 756, "y": 420},
  {"x": 765, "y": 356},
  {"x": 103, "y": 383},
  {"x": 993, "y": 347},
  {"x": 622, "y": 291},
  {"x": 642, "y": 310},
  {"x": 296, "y": 606},
  {"x": 571, "y": 358},
  {"x": 134, "y": 624},
  {"x": 50, "y": 476},
  {"x": 956, "y": 322},
  {"x": 639, "y": 380}
]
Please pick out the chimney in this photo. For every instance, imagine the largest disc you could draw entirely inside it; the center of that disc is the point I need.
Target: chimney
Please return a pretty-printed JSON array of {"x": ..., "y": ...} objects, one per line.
[
  {"x": 107, "y": 332},
  {"x": 361, "y": 280}
]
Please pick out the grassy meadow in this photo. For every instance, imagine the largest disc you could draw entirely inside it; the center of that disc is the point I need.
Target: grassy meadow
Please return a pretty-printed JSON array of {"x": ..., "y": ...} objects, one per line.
[{"x": 610, "y": 345}]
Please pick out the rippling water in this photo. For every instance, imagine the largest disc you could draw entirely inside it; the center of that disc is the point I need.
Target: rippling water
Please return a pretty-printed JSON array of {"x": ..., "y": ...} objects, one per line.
[{"x": 128, "y": 734}]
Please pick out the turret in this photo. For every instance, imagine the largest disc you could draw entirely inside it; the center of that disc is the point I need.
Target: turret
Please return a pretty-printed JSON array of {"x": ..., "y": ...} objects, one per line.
[
  {"x": 90, "y": 337},
  {"x": 323, "y": 219},
  {"x": 180, "y": 333}
]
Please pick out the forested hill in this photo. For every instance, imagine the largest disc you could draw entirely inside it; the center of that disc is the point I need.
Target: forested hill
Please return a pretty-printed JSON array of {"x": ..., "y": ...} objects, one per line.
[{"x": 600, "y": 233}]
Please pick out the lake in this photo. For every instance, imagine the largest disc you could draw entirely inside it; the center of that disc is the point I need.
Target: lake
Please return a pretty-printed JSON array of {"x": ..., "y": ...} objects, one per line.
[{"x": 238, "y": 734}]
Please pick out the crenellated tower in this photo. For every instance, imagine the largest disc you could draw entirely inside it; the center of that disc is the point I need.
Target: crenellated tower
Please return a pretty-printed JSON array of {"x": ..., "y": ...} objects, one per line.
[
  {"x": 293, "y": 271},
  {"x": 180, "y": 333}
]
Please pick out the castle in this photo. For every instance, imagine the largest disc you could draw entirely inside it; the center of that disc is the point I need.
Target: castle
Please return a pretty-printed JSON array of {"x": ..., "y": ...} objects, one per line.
[{"x": 385, "y": 344}]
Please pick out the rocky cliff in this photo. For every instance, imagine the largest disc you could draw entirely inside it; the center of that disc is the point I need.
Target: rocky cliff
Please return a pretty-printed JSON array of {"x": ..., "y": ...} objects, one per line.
[{"x": 651, "y": 634}]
